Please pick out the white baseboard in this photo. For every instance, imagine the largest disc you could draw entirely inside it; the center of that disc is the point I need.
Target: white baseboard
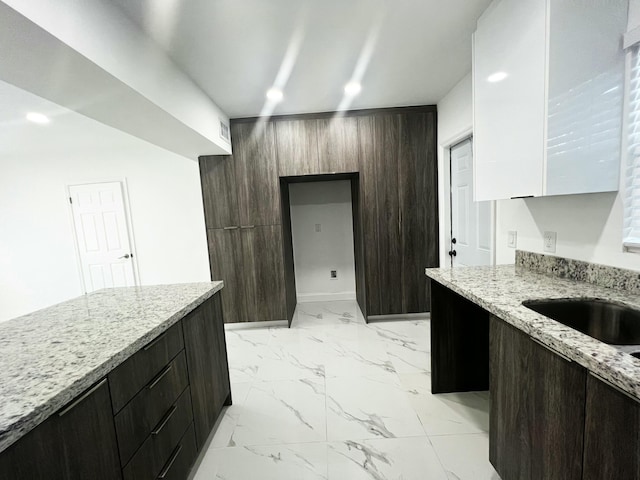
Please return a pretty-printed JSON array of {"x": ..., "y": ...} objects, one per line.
[
  {"x": 406, "y": 316},
  {"x": 248, "y": 325},
  {"x": 325, "y": 297}
]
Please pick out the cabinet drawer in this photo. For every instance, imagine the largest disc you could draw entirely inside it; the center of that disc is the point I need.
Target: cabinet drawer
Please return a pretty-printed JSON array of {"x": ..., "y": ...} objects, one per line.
[
  {"x": 142, "y": 414},
  {"x": 127, "y": 380},
  {"x": 158, "y": 447},
  {"x": 182, "y": 457}
]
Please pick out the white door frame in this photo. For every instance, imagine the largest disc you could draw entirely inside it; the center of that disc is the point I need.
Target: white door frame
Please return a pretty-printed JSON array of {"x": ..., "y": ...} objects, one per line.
[
  {"x": 127, "y": 213},
  {"x": 445, "y": 210}
]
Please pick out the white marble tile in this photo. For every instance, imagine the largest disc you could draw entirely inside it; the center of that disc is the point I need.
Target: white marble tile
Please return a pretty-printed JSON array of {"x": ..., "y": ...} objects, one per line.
[
  {"x": 292, "y": 362},
  {"x": 354, "y": 360},
  {"x": 288, "y": 411},
  {"x": 465, "y": 457},
  {"x": 359, "y": 408},
  {"x": 277, "y": 462},
  {"x": 382, "y": 459},
  {"x": 246, "y": 352},
  {"x": 407, "y": 344},
  {"x": 446, "y": 414},
  {"x": 231, "y": 414}
]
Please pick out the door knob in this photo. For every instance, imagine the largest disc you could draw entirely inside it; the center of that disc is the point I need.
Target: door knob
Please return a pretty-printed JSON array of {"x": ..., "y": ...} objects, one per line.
[
  {"x": 454, "y": 241},
  {"x": 126, "y": 255},
  {"x": 452, "y": 253}
]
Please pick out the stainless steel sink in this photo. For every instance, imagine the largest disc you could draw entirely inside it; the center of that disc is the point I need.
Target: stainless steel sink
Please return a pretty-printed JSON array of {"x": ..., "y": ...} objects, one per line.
[{"x": 608, "y": 322}]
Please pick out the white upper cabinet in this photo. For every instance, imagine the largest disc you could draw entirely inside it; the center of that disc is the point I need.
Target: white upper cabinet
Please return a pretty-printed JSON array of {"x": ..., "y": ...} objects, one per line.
[{"x": 548, "y": 86}]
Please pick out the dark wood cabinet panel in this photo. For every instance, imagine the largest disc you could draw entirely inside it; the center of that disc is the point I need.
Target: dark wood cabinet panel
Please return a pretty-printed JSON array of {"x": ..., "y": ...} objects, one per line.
[
  {"x": 418, "y": 199},
  {"x": 225, "y": 256},
  {"x": 133, "y": 374},
  {"x": 254, "y": 154},
  {"x": 338, "y": 144},
  {"x": 537, "y": 408},
  {"x": 264, "y": 273},
  {"x": 208, "y": 369},
  {"x": 369, "y": 212},
  {"x": 219, "y": 191},
  {"x": 297, "y": 147},
  {"x": 612, "y": 433},
  {"x": 136, "y": 421},
  {"x": 459, "y": 343},
  {"x": 387, "y": 157},
  {"x": 77, "y": 443}
]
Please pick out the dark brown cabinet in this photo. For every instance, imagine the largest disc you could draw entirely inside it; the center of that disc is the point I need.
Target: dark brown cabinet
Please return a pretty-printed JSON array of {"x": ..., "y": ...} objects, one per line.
[
  {"x": 256, "y": 171},
  {"x": 250, "y": 261},
  {"x": 400, "y": 222},
  {"x": 537, "y": 408},
  {"x": 77, "y": 443},
  {"x": 208, "y": 369},
  {"x": 297, "y": 147},
  {"x": 219, "y": 191},
  {"x": 338, "y": 145},
  {"x": 612, "y": 433}
]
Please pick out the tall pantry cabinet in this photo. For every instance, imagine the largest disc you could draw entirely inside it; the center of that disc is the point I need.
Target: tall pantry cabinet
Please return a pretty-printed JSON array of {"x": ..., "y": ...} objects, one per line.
[{"x": 392, "y": 152}]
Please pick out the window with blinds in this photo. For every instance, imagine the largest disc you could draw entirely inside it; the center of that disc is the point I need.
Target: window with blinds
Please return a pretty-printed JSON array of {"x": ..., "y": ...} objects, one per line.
[{"x": 632, "y": 171}]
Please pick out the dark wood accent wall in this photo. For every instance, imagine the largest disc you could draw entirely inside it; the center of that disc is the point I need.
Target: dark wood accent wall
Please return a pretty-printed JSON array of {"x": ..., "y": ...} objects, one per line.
[{"x": 394, "y": 153}]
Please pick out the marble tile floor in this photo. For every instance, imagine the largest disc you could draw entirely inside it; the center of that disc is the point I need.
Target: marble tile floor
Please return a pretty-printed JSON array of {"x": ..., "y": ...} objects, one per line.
[{"x": 334, "y": 398}]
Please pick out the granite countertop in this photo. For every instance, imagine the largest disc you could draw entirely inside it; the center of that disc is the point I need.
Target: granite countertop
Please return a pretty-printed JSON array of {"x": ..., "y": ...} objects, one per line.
[
  {"x": 50, "y": 356},
  {"x": 502, "y": 289}
]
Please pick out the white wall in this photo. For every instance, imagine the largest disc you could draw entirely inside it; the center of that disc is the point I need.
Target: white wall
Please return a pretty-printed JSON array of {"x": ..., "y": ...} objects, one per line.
[
  {"x": 38, "y": 265},
  {"x": 455, "y": 121},
  {"x": 317, "y": 253},
  {"x": 589, "y": 227}
]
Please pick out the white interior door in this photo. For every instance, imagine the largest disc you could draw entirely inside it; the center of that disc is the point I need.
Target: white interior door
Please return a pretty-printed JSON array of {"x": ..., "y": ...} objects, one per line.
[
  {"x": 470, "y": 221},
  {"x": 102, "y": 234}
]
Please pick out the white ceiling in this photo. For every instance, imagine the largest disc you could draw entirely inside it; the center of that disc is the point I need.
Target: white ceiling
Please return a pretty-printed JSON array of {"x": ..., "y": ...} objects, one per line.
[{"x": 405, "y": 52}]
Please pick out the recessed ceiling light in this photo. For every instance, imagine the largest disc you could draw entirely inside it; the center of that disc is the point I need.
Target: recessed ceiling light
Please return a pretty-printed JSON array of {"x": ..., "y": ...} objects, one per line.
[
  {"x": 497, "y": 77},
  {"x": 352, "y": 88},
  {"x": 37, "y": 118},
  {"x": 274, "y": 94}
]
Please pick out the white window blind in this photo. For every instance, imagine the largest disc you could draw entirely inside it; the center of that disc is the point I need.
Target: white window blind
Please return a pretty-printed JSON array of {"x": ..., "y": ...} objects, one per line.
[{"x": 632, "y": 170}]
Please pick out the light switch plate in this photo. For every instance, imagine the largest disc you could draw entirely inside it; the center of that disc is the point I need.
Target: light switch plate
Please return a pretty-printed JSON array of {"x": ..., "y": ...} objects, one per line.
[
  {"x": 512, "y": 239},
  {"x": 550, "y": 242}
]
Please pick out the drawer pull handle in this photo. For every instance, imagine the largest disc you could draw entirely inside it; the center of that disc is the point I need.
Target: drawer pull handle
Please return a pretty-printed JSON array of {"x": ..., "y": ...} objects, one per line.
[
  {"x": 150, "y": 345},
  {"x": 244, "y": 227},
  {"x": 82, "y": 398},
  {"x": 169, "y": 464},
  {"x": 164, "y": 420},
  {"x": 230, "y": 228},
  {"x": 158, "y": 377}
]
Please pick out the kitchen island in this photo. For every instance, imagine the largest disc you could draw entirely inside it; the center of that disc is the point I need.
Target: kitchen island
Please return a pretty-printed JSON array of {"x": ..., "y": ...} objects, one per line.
[
  {"x": 563, "y": 404},
  {"x": 142, "y": 347}
]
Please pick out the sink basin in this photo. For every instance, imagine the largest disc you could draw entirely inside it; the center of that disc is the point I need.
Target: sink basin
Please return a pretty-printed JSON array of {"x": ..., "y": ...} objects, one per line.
[
  {"x": 608, "y": 322},
  {"x": 636, "y": 354}
]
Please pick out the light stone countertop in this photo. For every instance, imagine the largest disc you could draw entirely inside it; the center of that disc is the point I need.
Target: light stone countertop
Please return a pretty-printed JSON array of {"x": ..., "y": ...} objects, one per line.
[
  {"x": 49, "y": 357},
  {"x": 501, "y": 291}
]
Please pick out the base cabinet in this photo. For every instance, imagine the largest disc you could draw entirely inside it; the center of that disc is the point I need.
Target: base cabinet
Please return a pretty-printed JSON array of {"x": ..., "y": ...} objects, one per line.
[
  {"x": 170, "y": 394},
  {"x": 76, "y": 443},
  {"x": 208, "y": 369},
  {"x": 611, "y": 434},
  {"x": 537, "y": 408}
]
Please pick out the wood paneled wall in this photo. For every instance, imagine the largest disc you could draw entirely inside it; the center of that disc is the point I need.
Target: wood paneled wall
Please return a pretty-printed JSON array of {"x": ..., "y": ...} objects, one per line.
[{"x": 394, "y": 152}]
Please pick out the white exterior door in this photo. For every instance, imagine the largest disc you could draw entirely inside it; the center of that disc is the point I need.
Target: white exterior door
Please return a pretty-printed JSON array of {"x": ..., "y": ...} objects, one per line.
[
  {"x": 470, "y": 221},
  {"x": 102, "y": 234}
]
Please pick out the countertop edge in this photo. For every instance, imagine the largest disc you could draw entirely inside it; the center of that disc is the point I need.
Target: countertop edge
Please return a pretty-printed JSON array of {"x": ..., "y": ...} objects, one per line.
[{"x": 40, "y": 414}]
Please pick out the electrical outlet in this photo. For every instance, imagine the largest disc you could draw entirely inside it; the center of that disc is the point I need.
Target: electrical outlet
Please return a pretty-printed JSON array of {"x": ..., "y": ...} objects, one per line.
[
  {"x": 550, "y": 242},
  {"x": 512, "y": 239},
  {"x": 318, "y": 227},
  {"x": 334, "y": 275}
]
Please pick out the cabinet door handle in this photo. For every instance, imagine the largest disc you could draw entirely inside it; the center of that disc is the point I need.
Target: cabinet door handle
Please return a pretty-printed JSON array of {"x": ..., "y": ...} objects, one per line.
[
  {"x": 235, "y": 227},
  {"x": 164, "y": 420},
  {"x": 547, "y": 347},
  {"x": 170, "y": 462},
  {"x": 150, "y": 345},
  {"x": 247, "y": 226},
  {"x": 616, "y": 388},
  {"x": 82, "y": 398},
  {"x": 158, "y": 377}
]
